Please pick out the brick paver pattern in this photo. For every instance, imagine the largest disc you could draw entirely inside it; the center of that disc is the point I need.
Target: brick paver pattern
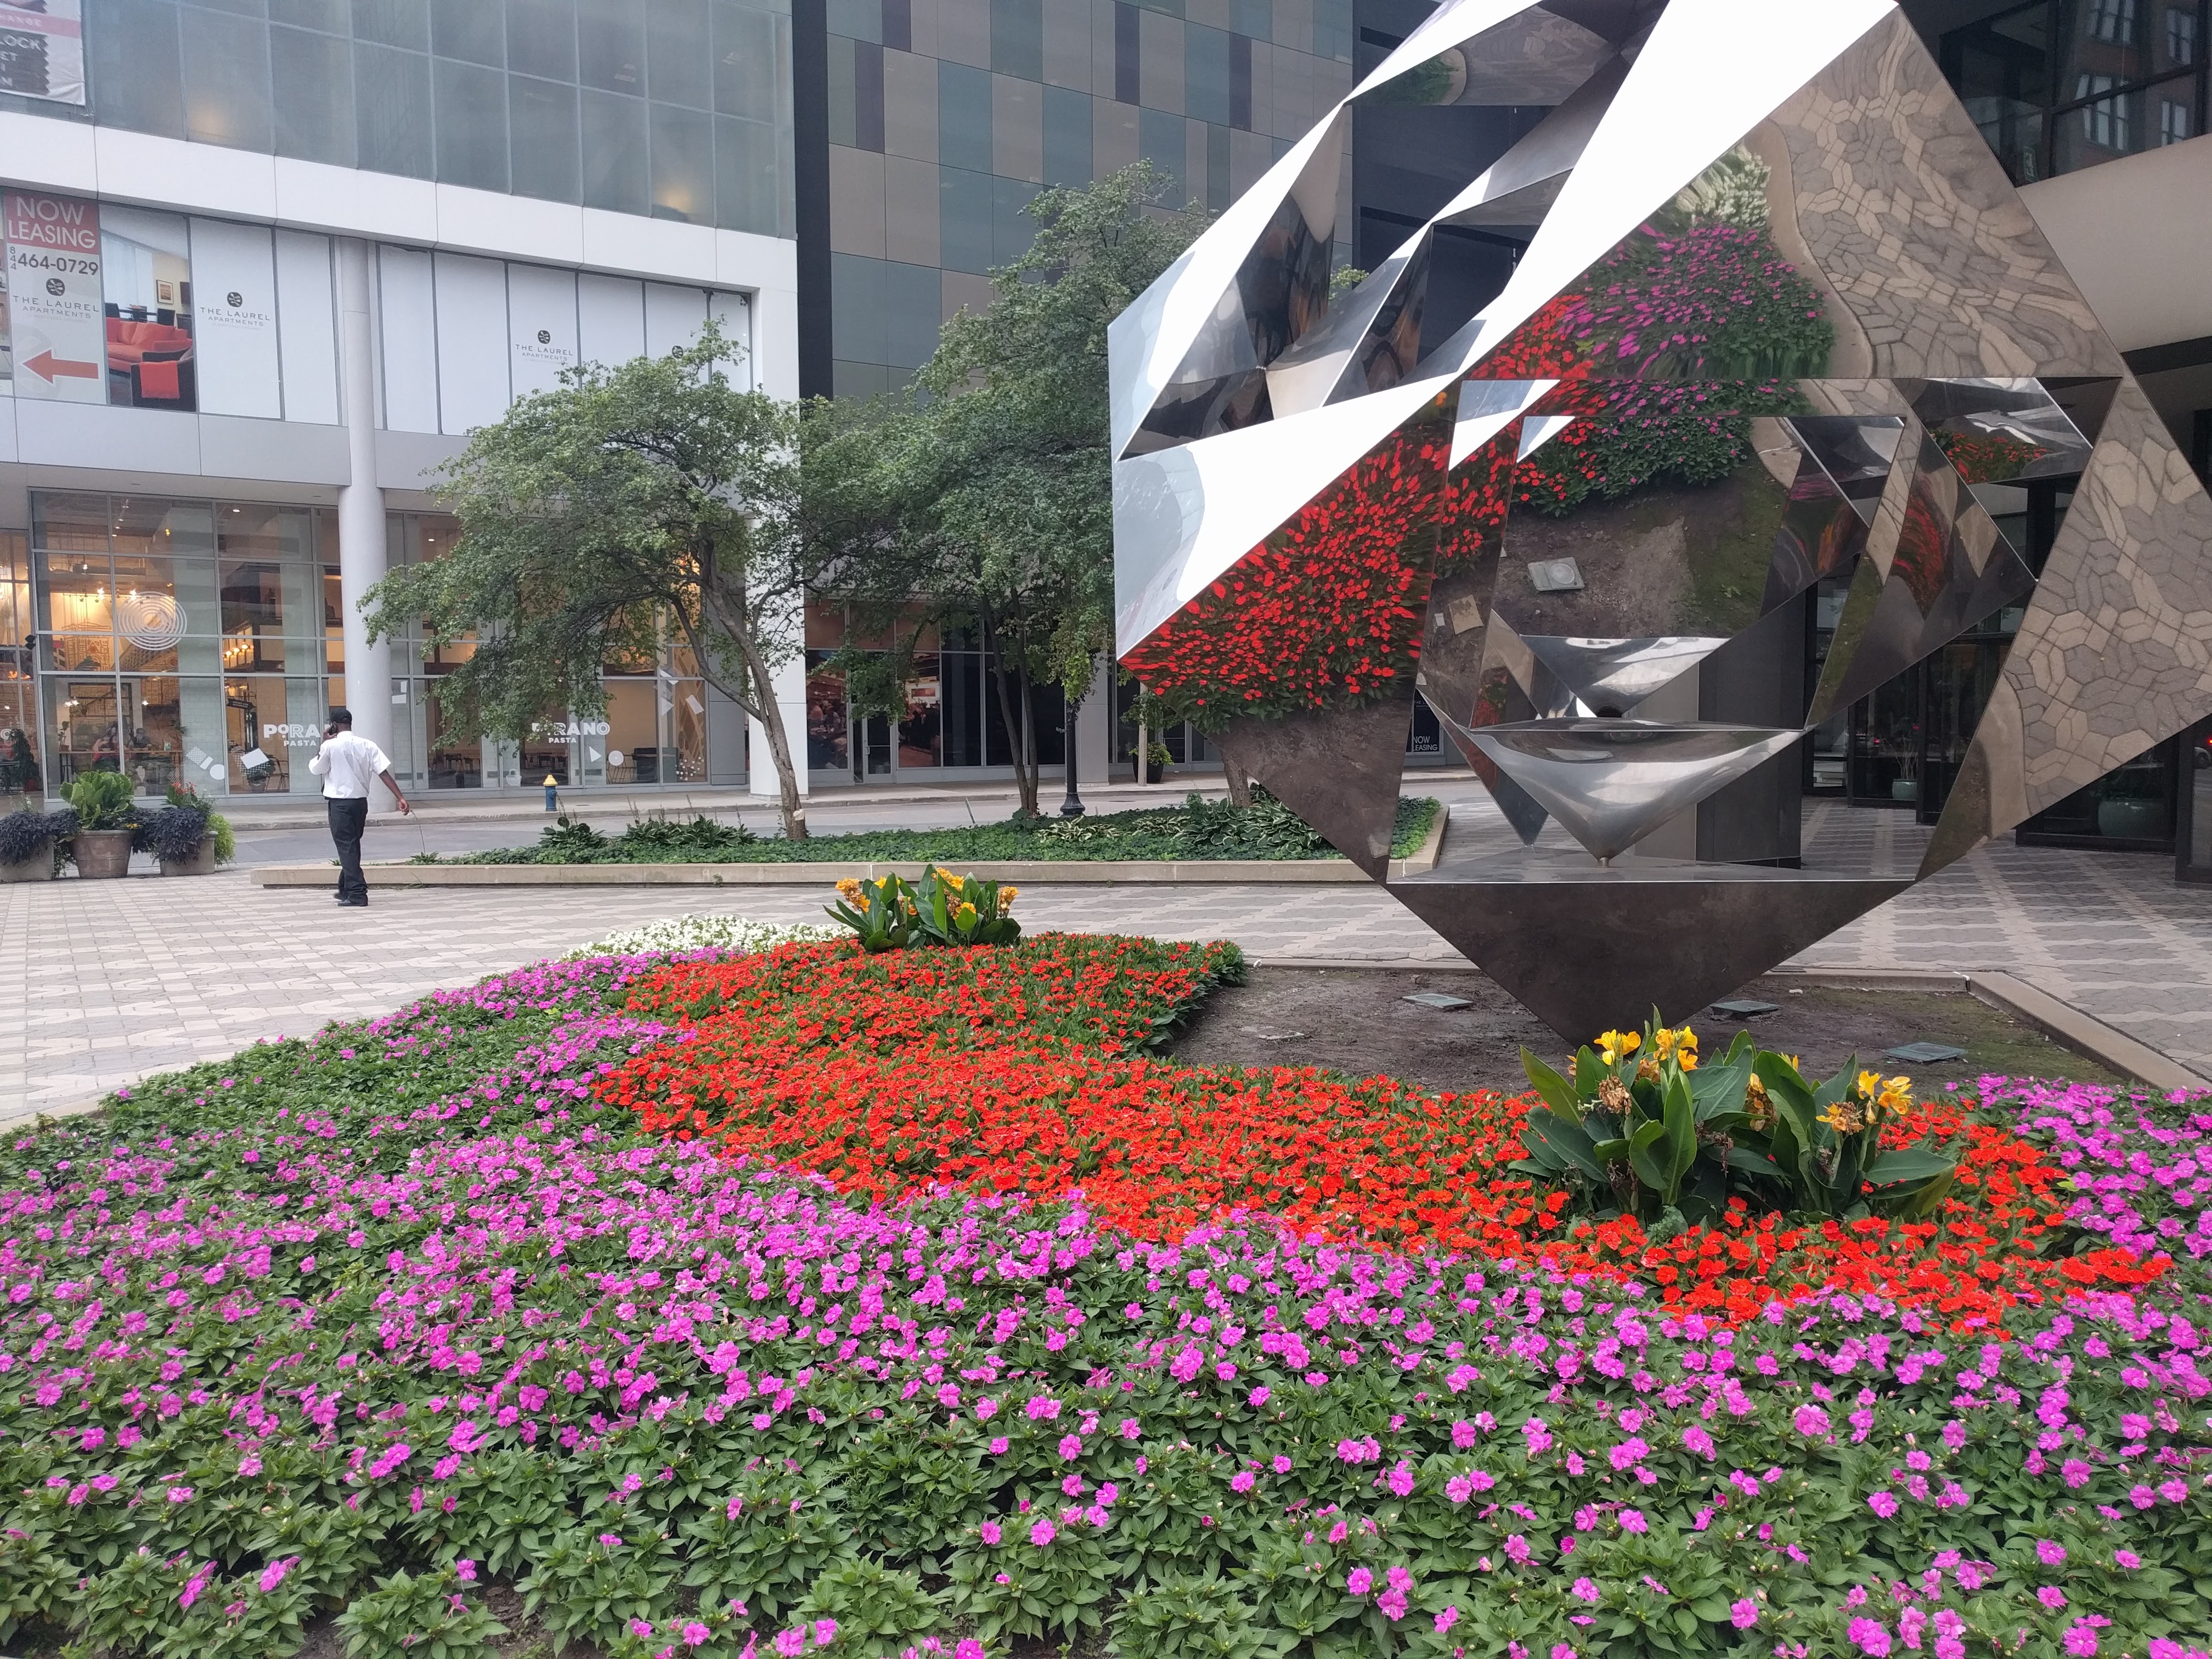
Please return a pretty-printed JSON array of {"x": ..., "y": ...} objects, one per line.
[{"x": 102, "y": 982}]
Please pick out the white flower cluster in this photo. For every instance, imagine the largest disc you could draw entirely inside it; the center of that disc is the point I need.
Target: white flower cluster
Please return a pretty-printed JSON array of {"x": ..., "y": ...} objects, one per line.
[{"x": 705, "y": 933}]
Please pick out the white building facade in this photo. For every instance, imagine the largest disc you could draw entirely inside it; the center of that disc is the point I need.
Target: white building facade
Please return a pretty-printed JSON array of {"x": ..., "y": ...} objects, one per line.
[{"x": 263, "y": 274}]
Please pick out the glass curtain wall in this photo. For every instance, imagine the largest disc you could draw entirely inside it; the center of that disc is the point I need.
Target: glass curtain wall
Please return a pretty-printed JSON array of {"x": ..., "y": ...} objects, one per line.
[
  {"x": 2057, "y": 85},
  {"x": 952, "y": 723},
  {"x": 677, "y": 109},
  {"x": 654, "y": 730},
  {"x": 20, "y": 774},
  {"x": 180, "y": 643}
]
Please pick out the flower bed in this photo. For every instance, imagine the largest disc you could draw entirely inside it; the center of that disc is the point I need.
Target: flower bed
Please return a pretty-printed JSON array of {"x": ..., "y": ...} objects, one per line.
[{"x": 418, "y": 1297}]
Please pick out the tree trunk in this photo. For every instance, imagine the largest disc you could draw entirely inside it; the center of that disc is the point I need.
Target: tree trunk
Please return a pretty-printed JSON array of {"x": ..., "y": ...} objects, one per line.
[
  {"x": 737, "y": 618},
  {"x": 1018, "y": 734},
  {"x": 1240, "y": 781},
  {"x": 1025, "y": 763},
  {"x": 790, "y": 803}
]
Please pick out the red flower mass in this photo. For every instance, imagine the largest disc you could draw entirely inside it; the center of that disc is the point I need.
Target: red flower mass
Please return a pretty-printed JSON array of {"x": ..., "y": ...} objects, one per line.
[{"x": 1024, "y": 1068}]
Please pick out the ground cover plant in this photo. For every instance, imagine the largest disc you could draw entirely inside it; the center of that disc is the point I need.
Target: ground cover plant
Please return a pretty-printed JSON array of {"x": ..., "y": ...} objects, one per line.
[
  {"x": 428, "y": 1305},
  {"x": 1198, "y": 828}
]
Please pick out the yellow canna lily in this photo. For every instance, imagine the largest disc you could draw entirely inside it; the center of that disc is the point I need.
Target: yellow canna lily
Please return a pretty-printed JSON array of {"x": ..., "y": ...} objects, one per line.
[
  {"x": 1611, "y": 1045},
  {"x": 1007, "y": 895},
  {"x": 849, "y": 890},
  {"x": 1663, "y": 1042},
  {"x": 1870, "y": 1085}
]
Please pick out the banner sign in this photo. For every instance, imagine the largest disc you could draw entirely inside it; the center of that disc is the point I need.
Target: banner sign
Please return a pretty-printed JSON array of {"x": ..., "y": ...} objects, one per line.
[
  {"x": 56, "y": 332},
  {"x": 42, "y": 49}
]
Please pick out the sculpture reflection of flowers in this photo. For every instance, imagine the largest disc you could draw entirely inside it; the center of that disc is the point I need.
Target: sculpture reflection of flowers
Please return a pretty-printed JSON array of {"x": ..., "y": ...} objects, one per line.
[{"x": 1327, "y": 612}]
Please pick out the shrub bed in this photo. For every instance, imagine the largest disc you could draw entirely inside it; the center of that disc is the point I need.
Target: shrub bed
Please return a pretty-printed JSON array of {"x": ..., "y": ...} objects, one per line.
[
  {"x": 1197, "y": 830},
  {"x": 380, "y": 1320}
]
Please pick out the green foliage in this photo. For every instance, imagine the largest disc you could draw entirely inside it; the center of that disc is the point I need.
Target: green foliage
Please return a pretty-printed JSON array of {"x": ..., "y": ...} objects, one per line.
[
  {"x": 1198, "y": 828},
  {"x": 102, "y": 800},
  {"x": 987, "y": 488},
  {"x": 891, "y": 913},
  {"x": 874, "y": 1603},
  {"x": 27, "y": 833},
  {"x": 226, "y": 838},
  {"x": 1644, "y": 1129},
  {"x": 425, "y": 1615},
  {"x": 589, "y": 1585},
  {"x": 653, "y": 495}
]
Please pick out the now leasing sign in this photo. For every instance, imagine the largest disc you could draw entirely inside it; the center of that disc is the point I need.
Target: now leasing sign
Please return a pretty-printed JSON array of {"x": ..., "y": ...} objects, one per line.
[{"x": 58, "y": 336}]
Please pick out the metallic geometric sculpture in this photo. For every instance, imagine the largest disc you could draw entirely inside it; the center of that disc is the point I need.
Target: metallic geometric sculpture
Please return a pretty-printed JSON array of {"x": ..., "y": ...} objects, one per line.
[{"x": 1780, "y": 336}]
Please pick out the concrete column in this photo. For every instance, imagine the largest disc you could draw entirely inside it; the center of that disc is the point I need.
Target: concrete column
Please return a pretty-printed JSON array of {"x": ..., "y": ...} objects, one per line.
[
  {"x": 360, "y": 501},
  {"x": 1094, "y": 729},
  {"x": 791, "y": 699}
]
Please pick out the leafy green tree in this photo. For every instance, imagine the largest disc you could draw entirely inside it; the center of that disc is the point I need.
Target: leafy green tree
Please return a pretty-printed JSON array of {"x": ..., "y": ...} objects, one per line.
[
  {"x": 652, "y": 494},
  {"x": 982, "y": 498}
]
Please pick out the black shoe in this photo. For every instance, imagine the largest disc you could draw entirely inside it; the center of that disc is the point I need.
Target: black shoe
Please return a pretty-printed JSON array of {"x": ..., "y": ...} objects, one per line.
[{"x": 358, "y": 904}]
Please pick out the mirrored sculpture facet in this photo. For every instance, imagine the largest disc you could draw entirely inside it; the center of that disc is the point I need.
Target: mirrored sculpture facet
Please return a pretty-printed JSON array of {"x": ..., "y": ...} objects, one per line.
[
  {"x": 1612, "y": 783},
  {"x": 1780, "y": 348},
  {"x": 1611, "y": 677}
]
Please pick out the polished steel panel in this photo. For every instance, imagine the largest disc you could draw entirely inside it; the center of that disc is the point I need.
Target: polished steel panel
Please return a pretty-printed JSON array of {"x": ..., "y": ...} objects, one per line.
[
  {"x": 1338, "y": 768},
  {"x": 2115, "y": 653},
  {"x": 1612, "y": 783},
  {"x": 1611, "y": 677},
  {"x": 1553, "y": 937}
]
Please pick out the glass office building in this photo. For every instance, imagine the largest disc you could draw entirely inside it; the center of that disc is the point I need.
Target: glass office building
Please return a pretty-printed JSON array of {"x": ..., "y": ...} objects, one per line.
[{"x": 267, "y": 263}]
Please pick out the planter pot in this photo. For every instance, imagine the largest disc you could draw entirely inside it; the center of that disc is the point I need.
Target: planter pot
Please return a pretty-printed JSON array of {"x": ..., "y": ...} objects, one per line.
[
  {"x": 201, "y": 862},
  {"x": 102, "y": 853},
  {"x": 38, "y": 867},
  {"x": 2131, "y": 820},
  {"x": 1154, "y": 772}
]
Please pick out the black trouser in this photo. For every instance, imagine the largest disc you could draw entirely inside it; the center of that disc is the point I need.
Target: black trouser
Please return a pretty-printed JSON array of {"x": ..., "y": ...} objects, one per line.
[{"x": 348, "y": 818}]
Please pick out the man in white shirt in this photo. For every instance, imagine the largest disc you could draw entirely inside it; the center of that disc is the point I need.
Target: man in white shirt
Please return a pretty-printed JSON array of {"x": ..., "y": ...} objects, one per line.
[{"x": 347, "y": 765}]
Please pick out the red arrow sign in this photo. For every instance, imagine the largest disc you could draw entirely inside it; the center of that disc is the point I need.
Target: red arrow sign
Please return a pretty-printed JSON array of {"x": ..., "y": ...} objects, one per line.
[{"x": 47, "y": 366}]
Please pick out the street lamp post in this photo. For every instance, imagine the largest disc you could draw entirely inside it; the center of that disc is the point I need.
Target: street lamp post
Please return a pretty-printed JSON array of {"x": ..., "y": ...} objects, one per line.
[{"x": 1071, "y": 806}]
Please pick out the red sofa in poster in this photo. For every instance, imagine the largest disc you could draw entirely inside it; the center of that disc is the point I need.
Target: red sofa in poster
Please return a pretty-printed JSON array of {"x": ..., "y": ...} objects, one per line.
[{"x": 156, "y": 358}]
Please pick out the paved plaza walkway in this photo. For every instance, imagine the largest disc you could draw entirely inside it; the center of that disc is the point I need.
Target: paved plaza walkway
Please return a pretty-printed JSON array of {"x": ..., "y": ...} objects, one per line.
[{"x": 101, "y": 982}]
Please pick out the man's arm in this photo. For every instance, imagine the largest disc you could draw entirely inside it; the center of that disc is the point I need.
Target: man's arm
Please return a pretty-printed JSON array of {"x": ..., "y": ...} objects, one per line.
[
  {"x": 398, "y": 800},
  {"x": 320, "y": 766}
]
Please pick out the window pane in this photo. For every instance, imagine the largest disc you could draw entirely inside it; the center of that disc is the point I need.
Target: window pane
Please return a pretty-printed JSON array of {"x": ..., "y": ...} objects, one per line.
[
  {"x": 393, "y": 23},
  {"x": 682, "y": 165},
  {"x": 471, "y": 125},
  {"x": 75, "y": 524},
  {"x": 243, "y": 8},
  {"x": 392, "y": 104},
  {"x": 2125, "y": 39},
  {"x": 678, "y": 53},
  {"x": 226, "y": 80},
  {"x": 138, "y": 75},
  {"x": 744, "y": 62},
  {"x": 334, "y": 16},
  {"x": 314, "y": 79},
  {"x": 541, "y": 38},
  {"x": 615, "y": 153},
  {"x": 2106, "y": 128},
  {"x": 543, "y": 115},
  {"x": 469, "y": 30},
  {"x": 2006, "y": 58},
  {"x": 610, "y": 45},
  {"x": 747, "y": 184}
]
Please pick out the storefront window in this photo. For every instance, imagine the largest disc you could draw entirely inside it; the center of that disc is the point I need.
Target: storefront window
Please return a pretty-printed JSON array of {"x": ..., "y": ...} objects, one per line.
[
  {"x": 2193, "y": 807},
  {"x": 2130, "y": 809}
]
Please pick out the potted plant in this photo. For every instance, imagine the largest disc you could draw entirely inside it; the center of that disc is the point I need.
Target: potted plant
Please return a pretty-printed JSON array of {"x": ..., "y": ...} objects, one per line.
[
  {"x": 107, "y": 824},
  {"x": 188, "y": 836},
  {"x": 30, "y": 842},
  {"x": 2131, "y": 805},
  {"x": 19, "y": 769}
]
